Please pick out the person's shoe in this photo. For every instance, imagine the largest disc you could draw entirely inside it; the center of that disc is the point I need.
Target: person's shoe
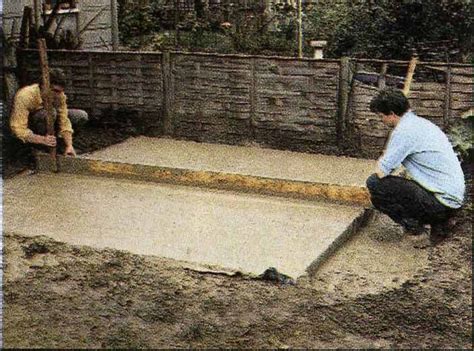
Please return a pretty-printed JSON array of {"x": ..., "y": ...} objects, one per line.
[
  {"x": 415, "y": 231},
  {"x": 271, "y": 274},
  {"x": 439, "y": 232},
  {"x": 412, "y": 226}
]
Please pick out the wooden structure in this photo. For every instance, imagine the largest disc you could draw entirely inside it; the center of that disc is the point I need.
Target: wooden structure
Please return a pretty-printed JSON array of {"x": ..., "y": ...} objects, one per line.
[
  {"x": 46, "y": 92},
  {"x": 91, "y": 21},
  {"x": 288, "y": 103}
]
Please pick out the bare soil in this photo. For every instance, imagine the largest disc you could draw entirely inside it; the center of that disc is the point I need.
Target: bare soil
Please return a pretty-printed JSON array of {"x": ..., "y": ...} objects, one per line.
[
  {"x": 62, "y": 296},
  {"x": 18, "y": 157}
]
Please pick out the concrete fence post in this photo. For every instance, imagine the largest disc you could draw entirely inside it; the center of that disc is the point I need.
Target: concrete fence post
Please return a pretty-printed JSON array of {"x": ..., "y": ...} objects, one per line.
[
  {"x": 382, "y": 76},
  {"x": 253, "y": 99},
  {"x": 343, "y": 94},
  {"x": 167, "y": 94},
  {"x": 91, "y": 82},
  {"x": 115, "y": 26},
  {"x": 447, "y": 99}
]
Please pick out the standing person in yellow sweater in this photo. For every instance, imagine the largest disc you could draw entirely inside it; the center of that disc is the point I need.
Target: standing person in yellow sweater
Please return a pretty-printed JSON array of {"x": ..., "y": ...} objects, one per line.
[{"x": 28, "y": 117}]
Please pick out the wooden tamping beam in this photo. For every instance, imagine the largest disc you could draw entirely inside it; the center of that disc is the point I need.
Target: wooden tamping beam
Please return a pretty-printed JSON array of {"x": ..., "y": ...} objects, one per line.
[{"x": 46, "y": 94}]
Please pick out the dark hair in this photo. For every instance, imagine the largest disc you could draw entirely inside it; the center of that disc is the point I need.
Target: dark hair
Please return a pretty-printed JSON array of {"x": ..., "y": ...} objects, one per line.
[
  {"x": 390, "y": 100},
  {"x": 57, "y": 77}
]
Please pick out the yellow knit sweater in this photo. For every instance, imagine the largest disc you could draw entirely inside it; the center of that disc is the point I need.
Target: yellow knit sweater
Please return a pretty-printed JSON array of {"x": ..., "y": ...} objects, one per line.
[{"x": 28, "y": 100}]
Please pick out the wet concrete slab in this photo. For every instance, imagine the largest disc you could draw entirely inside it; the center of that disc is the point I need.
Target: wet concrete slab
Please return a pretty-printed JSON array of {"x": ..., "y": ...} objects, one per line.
[
  {"x": 216, "y": 166},
  {"x": 242, "y": 232},
  {"x": 255, "y": 161}
]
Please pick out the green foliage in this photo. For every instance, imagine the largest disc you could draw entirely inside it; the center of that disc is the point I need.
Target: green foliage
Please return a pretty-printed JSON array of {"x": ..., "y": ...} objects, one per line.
[
  {"x": 136, "y": 25},
  {"x": 460, "y": 136},
  {"x": 376, "y": 29},
  {"x": 392, "y": 28}
]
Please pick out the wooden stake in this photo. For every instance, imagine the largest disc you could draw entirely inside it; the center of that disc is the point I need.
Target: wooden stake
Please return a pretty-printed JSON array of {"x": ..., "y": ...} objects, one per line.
[
  {"x": 25, "y": 27},
  {"x": 447, "y": 99},
  {"x": 37, "y": 12},
  {"x": 343, "y": 89},
  {"x": 300, "y": 28},
  {"x": 409, "y": 77},
  {"x": 115, "y": 26},
  {"x": 46, "y": 92},
  {"x": 383, "y": 73}
]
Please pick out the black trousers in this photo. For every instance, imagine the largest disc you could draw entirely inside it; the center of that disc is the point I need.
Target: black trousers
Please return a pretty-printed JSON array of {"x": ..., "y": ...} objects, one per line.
[
  {"x": 37, "y": 123},
  {"x": 37, "y": 120},
  {"x": 406, "y": 202}
]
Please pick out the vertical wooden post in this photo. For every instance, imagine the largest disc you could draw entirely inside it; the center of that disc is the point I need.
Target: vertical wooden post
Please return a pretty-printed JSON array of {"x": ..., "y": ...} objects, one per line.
[
  {"x": 343, "y": 98},
  {"x": 10, "y": 63},
  {"x": 92, "y": 93},
  {"x": 176, "y": 27},
  {"x": 115, "y": 84},
  {"x": 25, "y": 27},
  {"x": 447, "y": 99},
  {"x": 37, "y": 12},
  {"x": 253, "y": 98},
  {"x": 46, "y": 92},
  {"x": 410, "y": 73},
  {"x": 300, "y": 29},
  {"x": 115, "y": 28},
  {"x": 382, "y": 76},
  {"x": 77, "y": 16},
  {"x": 23, "y": 44},
  {"x": 349, "y": 127},
  {"x": 140, "y": 85},
  {"x": 167, "y": 94}
]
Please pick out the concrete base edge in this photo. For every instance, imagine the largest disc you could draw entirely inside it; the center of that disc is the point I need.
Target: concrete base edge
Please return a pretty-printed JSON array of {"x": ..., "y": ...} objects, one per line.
[
  {"x": 207, "y": 179},
  {"x": 359, "y": 222}
]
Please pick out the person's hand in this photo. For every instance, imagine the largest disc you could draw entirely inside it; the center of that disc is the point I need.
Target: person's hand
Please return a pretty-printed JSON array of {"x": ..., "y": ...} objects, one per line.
[
  {"x": 49, "y": 140},
  {"x": 70, "y": 151}
]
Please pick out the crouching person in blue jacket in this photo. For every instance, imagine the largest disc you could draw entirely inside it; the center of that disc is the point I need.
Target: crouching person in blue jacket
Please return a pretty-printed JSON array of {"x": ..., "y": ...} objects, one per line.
[{"x": 434, "y": 187}]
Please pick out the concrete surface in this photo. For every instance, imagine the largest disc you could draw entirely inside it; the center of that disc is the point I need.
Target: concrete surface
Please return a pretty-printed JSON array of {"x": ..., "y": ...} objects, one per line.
[
  {"x": 243, "y": 169},
  {"x": 256, "y": 161},
  {"x": 238, "y": 231}
]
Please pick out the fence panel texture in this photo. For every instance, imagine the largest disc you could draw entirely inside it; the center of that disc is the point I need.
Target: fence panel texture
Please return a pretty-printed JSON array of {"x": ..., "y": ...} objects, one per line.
[{"x": 285, "y": 103}]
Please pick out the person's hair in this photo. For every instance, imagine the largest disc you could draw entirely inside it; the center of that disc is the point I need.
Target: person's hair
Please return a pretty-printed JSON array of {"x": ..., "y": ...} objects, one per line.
[
  {"x": 57, "y": 77},
  {"x": 390, "y": 100}
]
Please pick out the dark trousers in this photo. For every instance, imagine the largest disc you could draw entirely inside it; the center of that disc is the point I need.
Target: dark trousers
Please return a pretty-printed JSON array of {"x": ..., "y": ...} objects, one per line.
[
  {"x": 37, "y": 120},
  {"x": 37, "y": 123},
  {"x": 406, "y": 202}
]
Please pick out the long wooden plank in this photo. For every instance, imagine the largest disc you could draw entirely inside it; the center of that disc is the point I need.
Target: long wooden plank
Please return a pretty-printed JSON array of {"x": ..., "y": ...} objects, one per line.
[
  {"x": 409, "y": 77},
  {"x": 349, "y": 194},
  {"x": 46, "y": 92}
]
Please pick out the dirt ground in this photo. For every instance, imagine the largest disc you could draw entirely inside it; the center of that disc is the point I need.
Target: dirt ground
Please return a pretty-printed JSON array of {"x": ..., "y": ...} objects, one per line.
[
  {"x": 381, "y": 290},
  {"x": 18, "y": 156},
  {"x": 62, "y": 296}
]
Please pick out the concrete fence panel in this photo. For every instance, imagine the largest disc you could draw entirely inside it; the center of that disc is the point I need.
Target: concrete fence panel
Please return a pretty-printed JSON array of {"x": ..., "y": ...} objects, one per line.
[{"x": 286, "y": 103}]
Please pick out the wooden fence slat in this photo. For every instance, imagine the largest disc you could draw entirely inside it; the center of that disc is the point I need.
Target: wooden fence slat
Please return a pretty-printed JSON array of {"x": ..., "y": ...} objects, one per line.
[
  {"x": 167, "y": 94},
  {"x": 383, "y": 73},
  {"x": 92, "y": 93},
  {"x": 447, "y": 99},
  {"x": 253, "y": 98},
  {"x": 250, "y": 98},
  {"x": 343, "y": 98}
]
